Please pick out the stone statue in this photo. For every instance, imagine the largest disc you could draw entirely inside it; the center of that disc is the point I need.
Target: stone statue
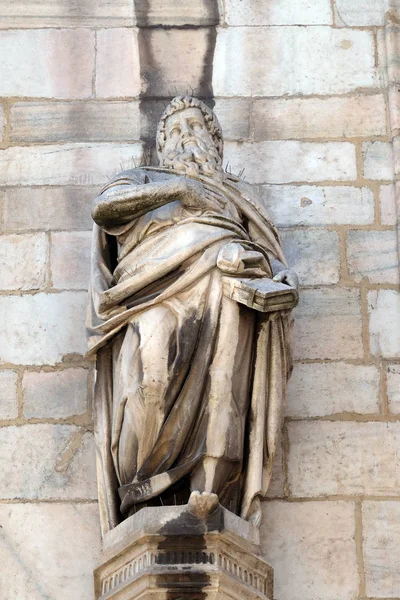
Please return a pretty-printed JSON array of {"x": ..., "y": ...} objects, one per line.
[{"x": 190, "y": 320}]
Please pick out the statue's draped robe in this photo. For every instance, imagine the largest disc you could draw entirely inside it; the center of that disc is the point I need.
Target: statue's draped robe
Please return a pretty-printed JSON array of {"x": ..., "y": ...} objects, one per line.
[{"x": 183, "y": 372}]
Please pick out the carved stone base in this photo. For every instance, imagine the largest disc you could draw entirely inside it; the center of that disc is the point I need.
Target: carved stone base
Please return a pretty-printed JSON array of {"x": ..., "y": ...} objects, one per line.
[{"x": 168, "y": 552}]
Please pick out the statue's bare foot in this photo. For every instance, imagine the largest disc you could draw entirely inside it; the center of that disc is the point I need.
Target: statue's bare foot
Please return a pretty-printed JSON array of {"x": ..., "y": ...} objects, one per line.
[
  {"x": 255, "y": 513},
  {"x": 202, "y": 504}
]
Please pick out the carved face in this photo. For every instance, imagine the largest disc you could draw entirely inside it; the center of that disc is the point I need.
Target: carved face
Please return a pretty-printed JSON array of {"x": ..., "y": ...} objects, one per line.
[{"x": 186, "y": 130}]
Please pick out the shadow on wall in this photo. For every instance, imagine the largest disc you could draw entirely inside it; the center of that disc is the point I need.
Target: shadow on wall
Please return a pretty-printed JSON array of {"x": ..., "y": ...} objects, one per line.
[{"x": 176, "y": 48}]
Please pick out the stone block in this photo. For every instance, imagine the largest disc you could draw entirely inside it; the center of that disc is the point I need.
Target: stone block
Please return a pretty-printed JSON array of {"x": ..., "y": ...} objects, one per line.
[
  {"x": 74, "y": 122},
  {"x": 391, "y": 35},
  {"x": 378, "y": 160},
  {"x": 65, "y": 13},
  {"x": 394, "y": 107},
  {"x": 117, "y": 63},
  {"x": 329, "y": 458},
  {"x": 54, "y": 462},
  {"x": 55, "y": 394},
  {"x": 292, "y": 161},
  {"x": 42, "y": 328},
  {"x": 254, "y": 61},
  {"x": 234, "y": 117},
  {"x": 23, "y": 261},
  {"x": 387, "y": 200},
  {"x": 276, "y": 488},
  {"x": 384, "y": 323},
  {"x": 396, "y": 156},
  {"x": 277, "y": 12},
  {"x": 2, "y": 122},
  {"x": 312, "y": 547},
  {"x": 70, "y": 259},
  {"x": 325, "y": 118},
  {"x": 313, "y": 254},
  {"x": 53, "y": 63},
  {"x": 49, "y": 550},
  {"x": 350, "y": 13},
  {"x": 9, "y": 400},
  {"x": 200, "y": 13},
  {"x": 78, "y": 164},
  {"x": 46, "y": 208},
  {"x": 187, "y": 66},
  {"x": 320, "y": 390},
  {"x": 381, "y": 539},
  {"x": 393, "y": 388},
  {"x": 373, "y": 255},
  {"x": 328, "y": 324},
  {"x": 312, "y": 205}
]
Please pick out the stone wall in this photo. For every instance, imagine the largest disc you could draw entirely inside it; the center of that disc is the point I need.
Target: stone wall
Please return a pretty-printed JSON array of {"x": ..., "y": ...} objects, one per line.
[{"x": 307, "y": 95}]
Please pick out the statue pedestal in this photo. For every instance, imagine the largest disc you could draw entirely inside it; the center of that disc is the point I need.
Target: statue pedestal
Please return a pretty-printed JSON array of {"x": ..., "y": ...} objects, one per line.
[{"x": 169, "y": 552}]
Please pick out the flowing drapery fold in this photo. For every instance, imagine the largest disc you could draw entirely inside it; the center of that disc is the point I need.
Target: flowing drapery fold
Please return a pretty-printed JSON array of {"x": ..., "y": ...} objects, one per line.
[{"x": 172, "y": 274}]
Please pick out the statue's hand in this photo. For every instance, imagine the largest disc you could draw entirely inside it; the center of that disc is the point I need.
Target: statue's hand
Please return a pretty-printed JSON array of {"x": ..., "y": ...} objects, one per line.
[
  {"x": 287, "y": 276},
  {"x": 200, "y": 195}
]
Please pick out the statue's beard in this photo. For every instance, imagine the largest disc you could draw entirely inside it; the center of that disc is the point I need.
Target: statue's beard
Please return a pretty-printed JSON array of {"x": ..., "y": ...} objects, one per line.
[{"x": 195, "y": 160}]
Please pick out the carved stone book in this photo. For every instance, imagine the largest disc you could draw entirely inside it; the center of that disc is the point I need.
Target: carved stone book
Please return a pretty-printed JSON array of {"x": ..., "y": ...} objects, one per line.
[{"x": 263, "y": 294}]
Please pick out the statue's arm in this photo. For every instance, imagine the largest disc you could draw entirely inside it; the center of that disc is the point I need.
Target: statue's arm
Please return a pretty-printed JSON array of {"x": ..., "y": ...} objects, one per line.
[{"x": 123, "y": 203}]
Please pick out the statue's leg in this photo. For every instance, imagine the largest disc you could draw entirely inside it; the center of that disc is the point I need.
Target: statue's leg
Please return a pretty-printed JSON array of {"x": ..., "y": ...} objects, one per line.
[{"x": 226, "y": 401}]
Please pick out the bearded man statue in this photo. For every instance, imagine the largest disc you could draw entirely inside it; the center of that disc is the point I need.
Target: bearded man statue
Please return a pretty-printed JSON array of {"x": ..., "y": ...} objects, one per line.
[{"x": 190, "y": 378}]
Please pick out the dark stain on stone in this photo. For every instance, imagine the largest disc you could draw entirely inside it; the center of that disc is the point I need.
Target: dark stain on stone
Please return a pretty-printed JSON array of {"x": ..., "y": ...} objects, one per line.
[
  {"x": 157, "y": 89},
  {"x": 146, "y": 16},
  {"x": 190, "y": 530}
]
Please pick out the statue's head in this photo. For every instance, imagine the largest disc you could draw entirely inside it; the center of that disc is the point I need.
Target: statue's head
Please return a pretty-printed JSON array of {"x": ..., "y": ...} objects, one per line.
[{"x": 189, "y": 138}]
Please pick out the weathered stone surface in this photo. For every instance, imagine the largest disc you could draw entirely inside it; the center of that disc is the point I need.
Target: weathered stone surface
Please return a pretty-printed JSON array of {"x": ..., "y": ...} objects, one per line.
[
  {"x": 117, "y": 63},
  {"x": 54, "y": 462},
  {"x": 328, "y": 324},
  {"x": 23, "y": 261},
  {"x": 349, "y": 13},
  {"x": 42, "y": 328},
  {"x": 176, "y": 13},
  {"x": 387, "y": 201},
  {"x": 49, "y": 550},
  {"x": 292, "y": 60},
  {"x": 46, "y": 208},
  {"x": 384, "y": 322},
  {"x": 278, "y": 12},
  {"x": 312, "y": 548},
  {"x": 319, "y": 390},
  {"x": 70, "y": 259},
  {"x": 185, "y": 67},
  {"x": 290, "y": 161},
  {"x": 2, "y": 122},
  {"x": 161, "y": 551},
  {"x": 8, "y": 398},
  {"x": 65, "y": 13},
  {"x": 44, "y": 63},
  {"x": 233, "y": 115},
  {"x": 378, "y": 160},
  {"x": 357, "y": 116},
  {"x": 311, "y": 205},
  {"x": 313, "y": 255},
  {"x": 55, "y": 394},
  {"x": 381, "y": 539},
  {"x": 374, "y": 255},
  {"x": 339, "y": 458},
  {"x": 389, "y": 54},
  {"x": 276, "y": 488},
  {"x": 75, "y": 121},
  {"x": 393, "y": 388},
  {"x": 394, "y": 107},
  {"x": 79, "y": 164}
]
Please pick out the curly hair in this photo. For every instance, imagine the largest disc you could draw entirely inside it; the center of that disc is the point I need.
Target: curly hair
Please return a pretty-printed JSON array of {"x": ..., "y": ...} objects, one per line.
[{"x": 180, "y": 103}]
